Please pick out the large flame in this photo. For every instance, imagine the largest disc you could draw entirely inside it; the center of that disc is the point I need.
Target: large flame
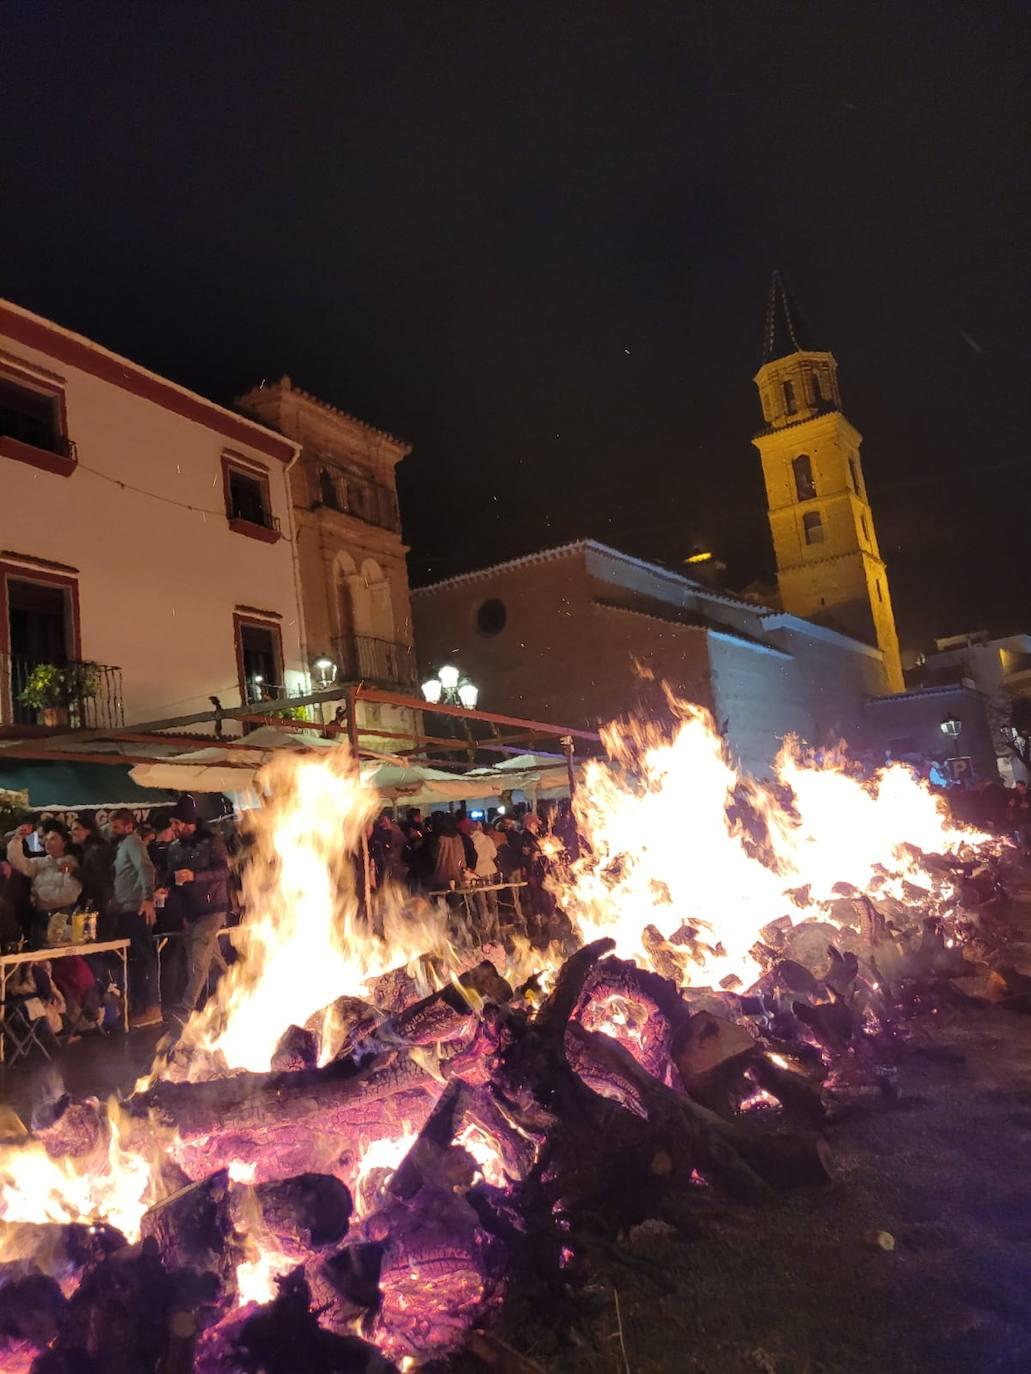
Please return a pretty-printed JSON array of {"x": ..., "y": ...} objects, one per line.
[
  {"x": 303, "y": 942},
  {"x": 115, "y": 1183},
  {"x": 678, "y": 845},
  {"x": 676, "y": 836}
]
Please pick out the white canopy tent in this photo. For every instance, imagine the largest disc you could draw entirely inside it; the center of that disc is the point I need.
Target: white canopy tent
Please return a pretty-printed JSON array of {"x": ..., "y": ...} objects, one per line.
[{"x": 234, "y": 772}]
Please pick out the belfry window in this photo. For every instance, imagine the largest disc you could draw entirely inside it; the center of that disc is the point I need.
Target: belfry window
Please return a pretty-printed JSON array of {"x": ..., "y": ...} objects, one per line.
[
  {"x": 817, "y": 389},
  {"x": 802, "y": 470},
  {"x": 853, "y": 468},
  {"x": 812, "y": 527},
  {"x": 789, "y": 398},
  {"x": 866, "y": 532}
]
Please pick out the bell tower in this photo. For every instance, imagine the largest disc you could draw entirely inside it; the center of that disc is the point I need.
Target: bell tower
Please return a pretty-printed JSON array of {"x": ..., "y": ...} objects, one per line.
[{"x": 829, "y": 567}]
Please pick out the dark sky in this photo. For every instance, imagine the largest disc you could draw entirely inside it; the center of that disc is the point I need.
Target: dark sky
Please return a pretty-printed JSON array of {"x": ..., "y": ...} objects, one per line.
[{"x": 534, "y": 239}]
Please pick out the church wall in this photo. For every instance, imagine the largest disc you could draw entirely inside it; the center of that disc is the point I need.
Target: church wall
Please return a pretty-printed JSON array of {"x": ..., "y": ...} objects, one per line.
[
  {"x": 756, "y": 702},
  {"x": 560, "y": 657}
]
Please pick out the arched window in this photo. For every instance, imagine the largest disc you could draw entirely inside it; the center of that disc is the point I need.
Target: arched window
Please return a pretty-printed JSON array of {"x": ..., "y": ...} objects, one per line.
[
  {"x": 379, "y": 604},
  {"x": 789, "y": 398},
  {"x": 818, "y": 396},
  {"x": 802, "y": 468},
  {"x": 853, "y": 468},
  {"x": 812, "y": 527}
]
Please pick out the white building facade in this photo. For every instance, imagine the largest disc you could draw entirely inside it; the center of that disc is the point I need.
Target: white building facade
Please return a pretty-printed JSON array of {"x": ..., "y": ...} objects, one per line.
[{"x": 147, "y": 553}]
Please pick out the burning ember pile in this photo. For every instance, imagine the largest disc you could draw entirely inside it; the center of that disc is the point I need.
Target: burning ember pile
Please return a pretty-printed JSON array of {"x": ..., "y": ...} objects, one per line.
[{"x": 368, "y": 1142}]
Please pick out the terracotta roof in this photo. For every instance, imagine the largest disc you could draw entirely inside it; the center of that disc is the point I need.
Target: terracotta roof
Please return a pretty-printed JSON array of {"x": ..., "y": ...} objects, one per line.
[
  {"x": 595, "y": 546},
  {"x": 541, "y": 556}
]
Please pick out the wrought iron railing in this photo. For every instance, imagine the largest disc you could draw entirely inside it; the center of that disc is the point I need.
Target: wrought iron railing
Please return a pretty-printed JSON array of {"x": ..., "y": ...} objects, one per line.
[
  {"x": 333, "y": 488},
  {"x": 253, "y": 513},
  {"x": 380, "y": 662},
  {"x": 72, "y": 694}
]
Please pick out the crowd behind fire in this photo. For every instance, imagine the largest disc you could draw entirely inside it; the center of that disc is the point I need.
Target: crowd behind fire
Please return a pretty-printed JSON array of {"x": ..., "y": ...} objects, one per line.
[{"x": 180, "y": 876}]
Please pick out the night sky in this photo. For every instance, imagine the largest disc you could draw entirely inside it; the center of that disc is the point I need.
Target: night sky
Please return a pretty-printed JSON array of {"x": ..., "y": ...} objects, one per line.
[{"x": 535, "y": 240}]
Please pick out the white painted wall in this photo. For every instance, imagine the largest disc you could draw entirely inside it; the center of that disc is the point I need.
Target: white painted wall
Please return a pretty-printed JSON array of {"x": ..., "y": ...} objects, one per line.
[{"x": 158, "y": 583}]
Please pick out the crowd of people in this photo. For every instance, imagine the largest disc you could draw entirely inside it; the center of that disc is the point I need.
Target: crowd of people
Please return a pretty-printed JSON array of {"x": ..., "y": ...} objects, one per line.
[
  {"x": 177, "y": 874},
  {"x": 173, "y": 876},
  {"x": 997, "y": 809},
  {"x": 450, "y": 853}
]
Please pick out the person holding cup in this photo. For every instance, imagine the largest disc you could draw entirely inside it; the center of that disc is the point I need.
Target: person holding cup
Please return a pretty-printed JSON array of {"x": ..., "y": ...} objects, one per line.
[{"x": 54, "y": 875}]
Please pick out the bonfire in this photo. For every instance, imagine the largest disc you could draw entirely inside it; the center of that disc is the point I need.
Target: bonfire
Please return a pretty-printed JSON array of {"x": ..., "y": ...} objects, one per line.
[{"x": 372, "y": 1140}]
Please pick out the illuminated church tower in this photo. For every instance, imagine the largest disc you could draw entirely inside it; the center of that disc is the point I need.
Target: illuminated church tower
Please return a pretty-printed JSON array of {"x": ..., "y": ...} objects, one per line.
[{"x": 829, "y": 568}]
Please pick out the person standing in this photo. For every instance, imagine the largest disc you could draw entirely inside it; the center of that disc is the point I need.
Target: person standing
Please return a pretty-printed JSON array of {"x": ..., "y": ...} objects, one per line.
[
  {"x": 131, "y": 916},
  {"x": 96, "y": 863},
  {"x": 56, "y": 885},
  {"x": 487, "y": 874},
  {"x": 199, "y": 866}
]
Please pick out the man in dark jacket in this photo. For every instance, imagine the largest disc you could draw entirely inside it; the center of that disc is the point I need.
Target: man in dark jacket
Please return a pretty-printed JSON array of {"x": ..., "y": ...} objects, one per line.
[{"x": 199, "y": 867}]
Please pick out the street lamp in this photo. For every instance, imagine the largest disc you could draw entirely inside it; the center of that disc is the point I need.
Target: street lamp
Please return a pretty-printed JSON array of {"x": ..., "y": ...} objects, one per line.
[
  {"x": 952, "y": 727},
  {"x": 452, "y": 688},
  {"x": 325, "y": 671}
]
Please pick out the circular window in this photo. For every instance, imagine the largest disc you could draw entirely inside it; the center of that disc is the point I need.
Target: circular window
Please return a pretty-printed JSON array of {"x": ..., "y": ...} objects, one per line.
[{"x": 491, "y": 617}]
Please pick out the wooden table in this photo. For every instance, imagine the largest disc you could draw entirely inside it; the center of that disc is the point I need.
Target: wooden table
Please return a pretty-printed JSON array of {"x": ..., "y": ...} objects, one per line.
[
  {"x": 471, "y": 891},
  {"x": 36, "y": 956}
]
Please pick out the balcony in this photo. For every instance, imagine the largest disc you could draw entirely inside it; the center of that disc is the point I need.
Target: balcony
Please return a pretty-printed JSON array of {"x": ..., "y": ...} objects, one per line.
[
  {"x": 350, "y": 494},
  {"x": 379, "y": 662},
  {"x": 69, "y": 695},
  {"x": 253, "y": 519}
]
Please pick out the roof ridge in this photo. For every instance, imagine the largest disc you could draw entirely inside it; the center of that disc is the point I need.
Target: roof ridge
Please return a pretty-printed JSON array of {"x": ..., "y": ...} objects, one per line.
[{"x": 538, "y": 556}]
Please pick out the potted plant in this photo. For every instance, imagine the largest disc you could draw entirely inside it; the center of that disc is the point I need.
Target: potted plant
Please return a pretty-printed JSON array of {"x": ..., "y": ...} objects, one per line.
[
  {"x": 81, "y": 684},
  {"x": 44, "y": 691}
]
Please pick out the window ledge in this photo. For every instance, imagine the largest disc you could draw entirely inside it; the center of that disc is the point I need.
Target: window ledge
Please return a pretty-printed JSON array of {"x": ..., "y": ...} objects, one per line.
[
  {"x": 60, "y": 464},
  {"x": 253, "y": 530}
]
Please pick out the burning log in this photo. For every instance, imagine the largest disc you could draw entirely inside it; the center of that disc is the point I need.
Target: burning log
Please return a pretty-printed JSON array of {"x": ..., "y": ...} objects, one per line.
[
  {"x": 711, "y": 1054},
  {"x": 285, "y": 1337},
  {"x": 298, "y": 1049},
  {"x": 345, "y": 1287},
  {"x": 131, "y": 1313},
  {"x": 298, "y": 1215},
  {"x": 193, "y": 1230},
  {"x": 286, "y": 1124},
  {"x": 746, "y": 1164},
  {"x": 32, "y": 1308},
  {"x": 60, "y": 1250}
]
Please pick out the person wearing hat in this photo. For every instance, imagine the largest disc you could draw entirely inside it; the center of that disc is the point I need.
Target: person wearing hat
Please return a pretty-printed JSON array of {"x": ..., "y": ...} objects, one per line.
[{"x": 198, "y": 865}]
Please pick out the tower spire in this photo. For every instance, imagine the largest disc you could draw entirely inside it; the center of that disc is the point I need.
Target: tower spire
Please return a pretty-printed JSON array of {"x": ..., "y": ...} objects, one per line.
[{"x": 783, "y": 332}]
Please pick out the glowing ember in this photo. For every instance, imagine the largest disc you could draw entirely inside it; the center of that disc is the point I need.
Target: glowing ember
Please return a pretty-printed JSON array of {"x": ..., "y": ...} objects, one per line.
[
  {"x": 486, "y": 1153},
  {"x": 380, "y": 1158}
]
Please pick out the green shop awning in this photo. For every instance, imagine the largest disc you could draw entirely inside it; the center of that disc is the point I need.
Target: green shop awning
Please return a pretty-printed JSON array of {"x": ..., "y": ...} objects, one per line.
[{"x": 78, "y": 786}]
